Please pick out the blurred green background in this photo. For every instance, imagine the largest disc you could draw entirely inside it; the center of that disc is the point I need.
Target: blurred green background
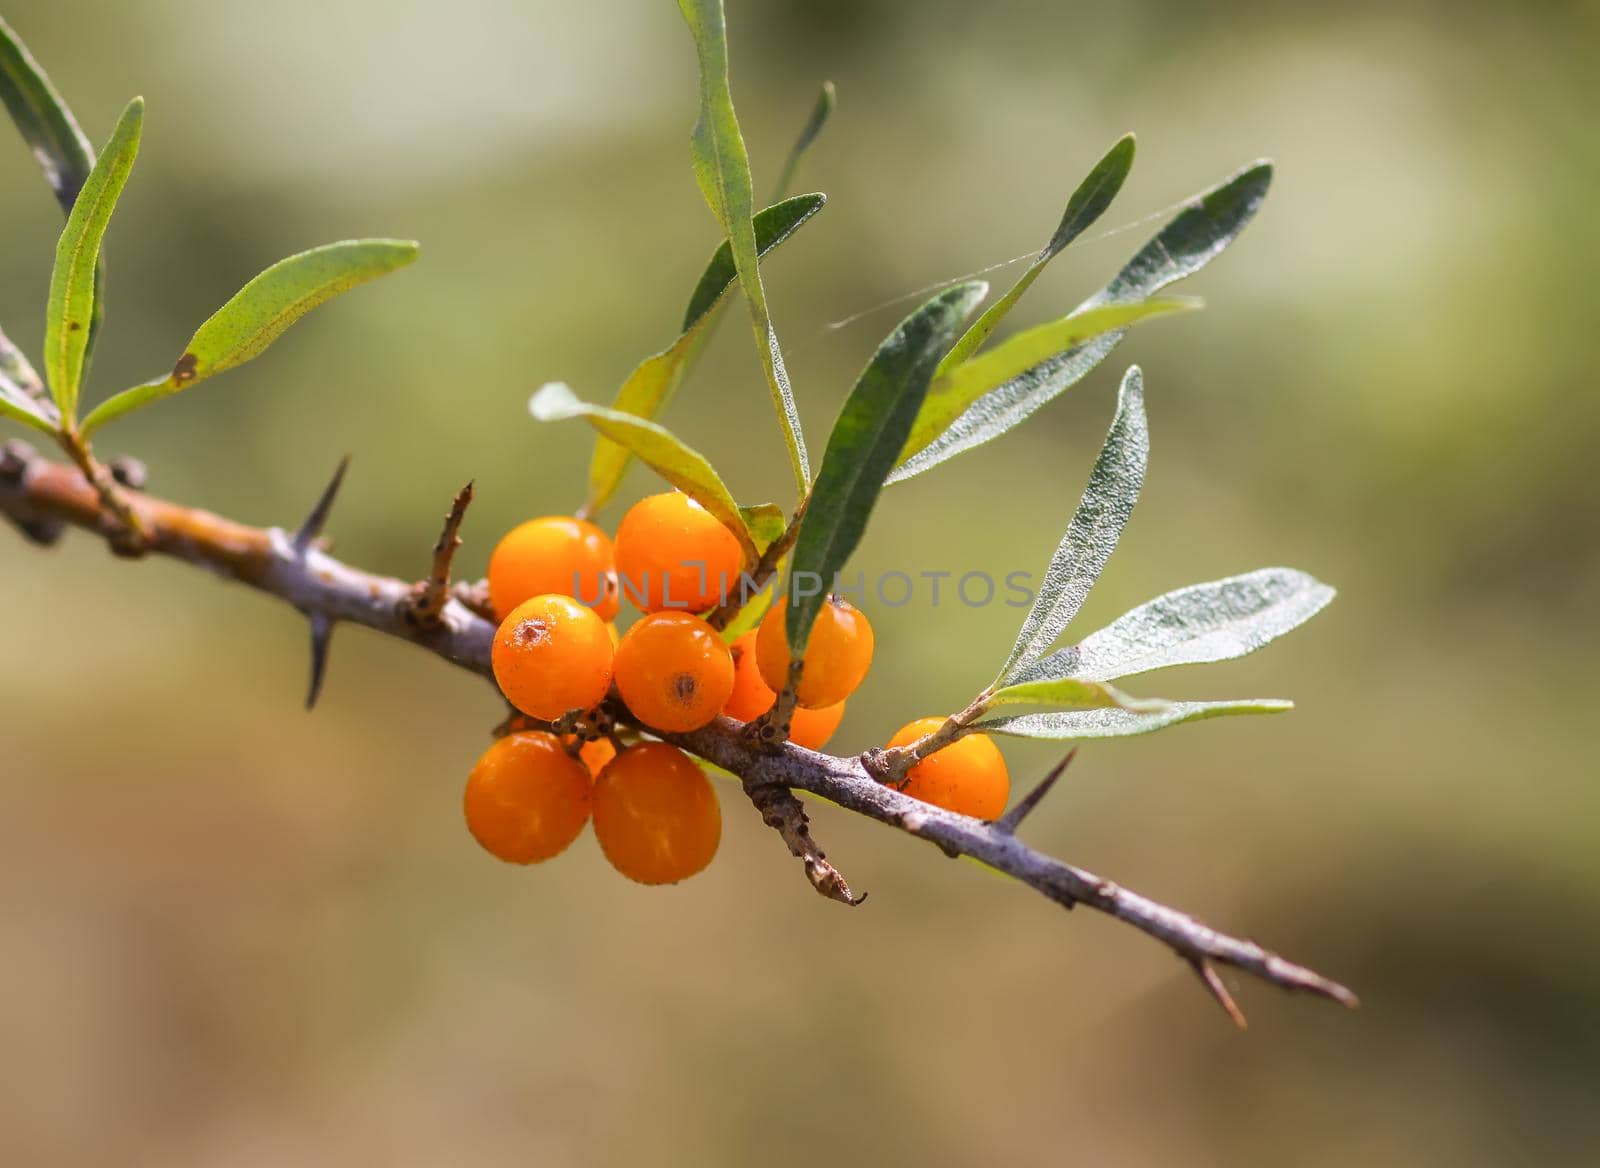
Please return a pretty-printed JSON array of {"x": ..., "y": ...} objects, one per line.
[{"x": 233, "y": 933}]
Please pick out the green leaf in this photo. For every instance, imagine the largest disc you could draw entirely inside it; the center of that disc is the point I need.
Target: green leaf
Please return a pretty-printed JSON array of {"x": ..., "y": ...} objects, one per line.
[
  {"x": 773, "y": 226},
  {"x": 20, "y": 384},
  {"x": 869, "y": 433},
  {"x": 260, "y": 312},
  {"x": 1196, "y": 625},
  {"x": 47, "y": 125},
  {"x": 722, "y": 168},
  {"x": 748, "y": 617},
  {"x": 1195, "y": 237},
  {"x": 820, "y": 113},
  {"x": 70, "y": 309},
  {"x": 952, "y": 393},
  {"x": 1088, "y": 203},
  {"x": 1091, "y": 537},
  {"x": 651, "y": 385},
  {"x": 655, "y": 446},
  {"x": 1112, "y": 723},
  {"x": 17, "y": 405},
  {"x": 51, "y": 132},
  {"x": 1069, "y": 693},
  {"x": 765, "y": 522}
]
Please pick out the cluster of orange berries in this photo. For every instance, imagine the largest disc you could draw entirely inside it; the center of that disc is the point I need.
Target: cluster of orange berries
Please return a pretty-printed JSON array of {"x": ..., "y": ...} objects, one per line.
[{"x": 554, "y": 584}]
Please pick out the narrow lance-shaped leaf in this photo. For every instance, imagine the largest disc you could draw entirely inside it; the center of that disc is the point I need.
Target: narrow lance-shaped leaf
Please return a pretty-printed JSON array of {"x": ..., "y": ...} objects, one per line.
[
  {"x": 722, "y": 168},
  {"x": 1114, "y": 723},
  {"x": 869, "y": 433},
  {"x": 1202, "y": 623},
  {"x": 952, "y": 393},
  {"x": 51, "y": 132},
  {"x": 651, "y": 385},
  {"x": 1067, "y": 693},
  {"x": 1196, "y": 236},
  {"x": 70, "y": 310},
  {"x": 18, "y": 406},
  {"x": 260, "y": 312},
  {"x": 21, "y": 384},
  {"x": 657, "y": 447},
  {"x": 22, "y": 396},
  {"x": 1093, "y": 195},
  {"x": 1091, "y": 537},
  {"x": 820, "y": 113},
  {"x": 44, "y": 120}
]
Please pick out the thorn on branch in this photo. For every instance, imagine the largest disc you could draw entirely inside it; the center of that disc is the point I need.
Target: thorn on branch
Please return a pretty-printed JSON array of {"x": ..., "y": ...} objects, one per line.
[
  {"x": 321, "y": 635},
  {"x": 318, "y": 519},
  {"x": 429, "y": 596},
  {"x": 1009, "y": 822},
  {"x": 786, "y": 815},
  {"x": 1212, "y": 980}
]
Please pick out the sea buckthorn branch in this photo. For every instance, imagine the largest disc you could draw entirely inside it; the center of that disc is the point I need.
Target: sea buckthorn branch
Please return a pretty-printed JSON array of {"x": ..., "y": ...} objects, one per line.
[
  {"x": 891, "y": 764},
  {"x": 846, "y": 782},
  {"x": 40, "y": 496},
  {"x": 124, "y": 535},
  {"x": 432, "y": 593},
  {"x": 786, "y": 815}
]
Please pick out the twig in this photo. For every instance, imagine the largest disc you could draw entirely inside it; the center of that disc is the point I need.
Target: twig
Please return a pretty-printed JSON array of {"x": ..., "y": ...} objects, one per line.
[
  {"x": 785, "y": 814},
  {"x": 315, "y": 582},
  {"x": 891, "y": 764},
  {"x": 1212, "y": 980},
  {"x": 430, "y": 595}
]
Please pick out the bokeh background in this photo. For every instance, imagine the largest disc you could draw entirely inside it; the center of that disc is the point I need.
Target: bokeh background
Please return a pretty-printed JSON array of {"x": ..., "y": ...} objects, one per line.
[{"x": 234, "y": 933}]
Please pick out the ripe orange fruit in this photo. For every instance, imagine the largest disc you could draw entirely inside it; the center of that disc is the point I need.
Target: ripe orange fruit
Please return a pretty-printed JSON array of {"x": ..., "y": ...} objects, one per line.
[
  {"x": 672, "y": 553},
  {"x": 655, "y": 814},
  {"x": 969, "y": 776},
  {"x": 552, "y": 655},
  {"x": 837, "y": 655},
  {"x": 527, "y": 798},
  {"x": 554, "y": 554},
  {"x": 752, "y": 697},
  {"x": 673, "y": 671}
]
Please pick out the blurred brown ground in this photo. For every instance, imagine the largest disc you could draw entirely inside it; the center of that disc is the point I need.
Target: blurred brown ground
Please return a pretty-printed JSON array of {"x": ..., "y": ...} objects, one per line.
[{"x": 232, "y": 933}]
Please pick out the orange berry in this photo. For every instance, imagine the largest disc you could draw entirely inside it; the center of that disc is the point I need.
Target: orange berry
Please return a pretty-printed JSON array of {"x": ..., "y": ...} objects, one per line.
[
  {"x": 673, "y": 553},
  {"x": 552, "y": 655},
  {"x": 673, "y": 671},
  {"x": 554, "y": 554},
  {"x": 527, "y": 798},
  {"x": 837, "y": 655},
  {"x": 751, "y": 696},
  {"x": 655, "y": 814},
  {"x": 969, "y": 776},
  {"x": 813, "y": 728}
]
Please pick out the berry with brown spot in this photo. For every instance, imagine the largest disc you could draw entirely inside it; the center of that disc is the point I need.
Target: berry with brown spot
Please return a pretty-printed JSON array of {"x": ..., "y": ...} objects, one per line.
[
  {"x": 551, "y": 655},
  {"x": 673, "y": 671}
]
